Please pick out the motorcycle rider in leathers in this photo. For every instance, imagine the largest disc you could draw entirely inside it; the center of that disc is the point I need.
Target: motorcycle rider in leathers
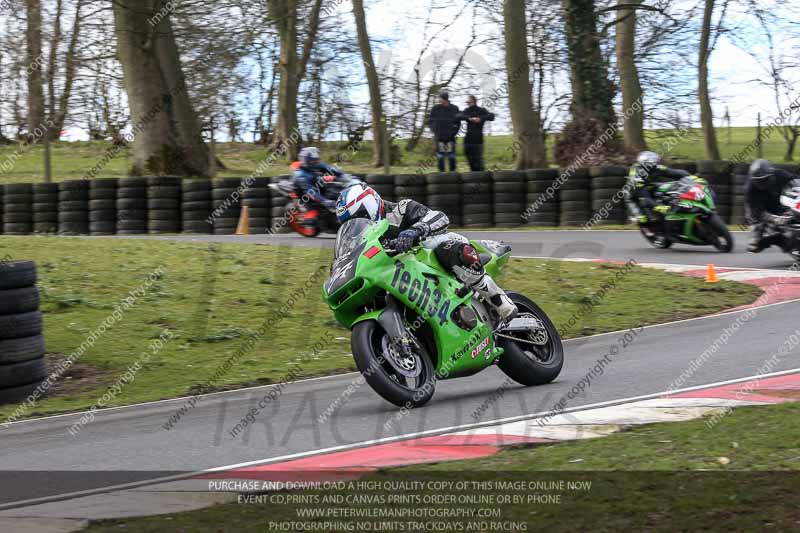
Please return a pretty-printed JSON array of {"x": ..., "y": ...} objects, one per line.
[
  {"x": 644, "y": 177},
  {"x": 762, "y": 197},
  {"x": 412, "y": 223},
  {"x": 308, "y": 176}
]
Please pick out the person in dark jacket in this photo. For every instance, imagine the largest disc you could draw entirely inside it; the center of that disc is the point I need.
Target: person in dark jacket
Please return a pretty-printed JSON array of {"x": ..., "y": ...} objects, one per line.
[
  {"x": 444, "y": 123},
  {"x": 762, "y": 197},
  {"x": 475, "y": 117}
]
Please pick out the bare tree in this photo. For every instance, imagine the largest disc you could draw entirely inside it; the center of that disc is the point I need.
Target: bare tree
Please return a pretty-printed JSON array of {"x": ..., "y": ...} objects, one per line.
[
  {"x": 525, "y": 119},
  {"x": 167, "y": 131},
  {"x": 707, "y": 43},
  {"x": 284, "y": 14},
  {"x": 33, "y": 39},
  {"x": 379, "y": 133},
  {"x": 632, "y": 95},
  {"x": 591, "y": 108}
]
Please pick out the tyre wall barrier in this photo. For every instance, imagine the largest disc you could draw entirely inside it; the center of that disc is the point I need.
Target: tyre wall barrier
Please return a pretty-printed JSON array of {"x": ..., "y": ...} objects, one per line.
[
  {"x": 22, "y": 363},
  {"x": 500, "y": 198}
]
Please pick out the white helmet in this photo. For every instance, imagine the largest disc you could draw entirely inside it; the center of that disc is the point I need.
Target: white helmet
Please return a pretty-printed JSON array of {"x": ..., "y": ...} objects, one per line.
[
  {"x": 359, "y": 201},
  {"x": 649, "y": 159}
]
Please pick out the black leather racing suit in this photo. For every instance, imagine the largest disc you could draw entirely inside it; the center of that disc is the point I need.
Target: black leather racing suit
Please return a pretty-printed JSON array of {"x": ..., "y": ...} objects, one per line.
[
  {"x": 643, "y": 181},
  {"x": 762, "y": 197}
]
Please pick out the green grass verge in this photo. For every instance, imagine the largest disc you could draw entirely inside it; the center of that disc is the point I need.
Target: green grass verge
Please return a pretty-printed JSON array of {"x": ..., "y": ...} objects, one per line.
[
  {"x": 74, "y": 160},
  {"x": 212, "y": 298},
  {"x": 662, "y": 477}
]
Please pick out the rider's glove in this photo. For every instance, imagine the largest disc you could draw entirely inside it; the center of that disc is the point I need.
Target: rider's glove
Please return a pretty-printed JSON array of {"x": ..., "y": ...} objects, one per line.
[{"x": 405, "y": 241}]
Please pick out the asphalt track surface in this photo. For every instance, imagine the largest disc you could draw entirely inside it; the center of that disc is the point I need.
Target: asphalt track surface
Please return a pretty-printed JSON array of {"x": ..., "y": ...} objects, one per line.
[
  {"x": 39, "y": 458},
  {"x": 596, "y": 244}
]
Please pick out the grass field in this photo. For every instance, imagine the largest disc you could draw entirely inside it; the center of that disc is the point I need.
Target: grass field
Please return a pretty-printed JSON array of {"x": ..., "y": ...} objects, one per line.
[
  {"x": 739, "y": 476},
  {"x": 74, "y": 160},
  {"x": 212, "y": 298}
]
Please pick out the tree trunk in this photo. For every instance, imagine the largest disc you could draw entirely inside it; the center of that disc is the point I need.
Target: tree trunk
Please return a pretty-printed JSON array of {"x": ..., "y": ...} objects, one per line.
[
  {"x": 379, "y": 132},
  {"x": 632, "y": 96},
  {"x": 34, "y": 61},
  {"x": 167, "y": 134},
  {"x": 528, "y": 144},
  {"x": 593, "y": 118},
  {"x": 706, "y": 113},
  {"x": 70, "y": 64},
  {"x": 283, "y": 13}
]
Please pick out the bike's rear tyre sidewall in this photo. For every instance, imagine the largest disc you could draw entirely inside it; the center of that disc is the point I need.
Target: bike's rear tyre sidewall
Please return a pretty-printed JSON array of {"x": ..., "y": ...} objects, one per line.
[
  {"x": 377, "y": 378},
  {"x": 522, "y": 369}
]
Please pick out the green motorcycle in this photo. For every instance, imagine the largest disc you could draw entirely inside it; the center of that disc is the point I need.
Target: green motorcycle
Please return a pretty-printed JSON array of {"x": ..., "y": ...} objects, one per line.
[
  {"x": 414, "y": 323},
  {"x": 690, "y": 217}
]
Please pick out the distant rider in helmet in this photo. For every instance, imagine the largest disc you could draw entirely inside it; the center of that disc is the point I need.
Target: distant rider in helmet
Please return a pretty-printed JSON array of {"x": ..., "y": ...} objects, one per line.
[
  {"x": 644, "y": 177},
  {"x": 411, "y": 223},
  {"x": 764, "y": 187},
  {"x": 308, "y": 176}
]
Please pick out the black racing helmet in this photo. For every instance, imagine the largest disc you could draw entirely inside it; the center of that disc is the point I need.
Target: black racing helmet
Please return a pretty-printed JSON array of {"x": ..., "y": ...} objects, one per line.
[{"x": 761, "y": 172}]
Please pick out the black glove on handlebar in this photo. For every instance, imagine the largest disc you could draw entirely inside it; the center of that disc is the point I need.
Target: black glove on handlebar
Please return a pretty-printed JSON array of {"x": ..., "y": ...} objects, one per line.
[{"x": 405, "y": 241}]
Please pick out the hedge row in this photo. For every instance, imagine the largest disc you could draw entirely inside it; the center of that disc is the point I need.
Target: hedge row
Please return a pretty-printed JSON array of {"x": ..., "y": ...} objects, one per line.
[{"x": 502, "y": 198}]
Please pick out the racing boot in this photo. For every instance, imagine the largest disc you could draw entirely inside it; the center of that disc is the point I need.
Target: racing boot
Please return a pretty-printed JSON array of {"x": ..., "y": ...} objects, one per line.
[
  {"x": 489, "y": 291},
  {"x": 757, "y": 242}
]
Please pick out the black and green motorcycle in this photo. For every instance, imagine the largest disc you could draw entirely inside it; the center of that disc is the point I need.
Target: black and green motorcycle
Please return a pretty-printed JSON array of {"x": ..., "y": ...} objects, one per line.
[
  {"x": 413, "y": 323},
  {"x": 690, "y": 217}
]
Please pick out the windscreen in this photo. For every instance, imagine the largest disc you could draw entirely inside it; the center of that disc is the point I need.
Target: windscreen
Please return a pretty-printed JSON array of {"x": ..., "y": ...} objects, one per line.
[{"x": 349, "y": 236}]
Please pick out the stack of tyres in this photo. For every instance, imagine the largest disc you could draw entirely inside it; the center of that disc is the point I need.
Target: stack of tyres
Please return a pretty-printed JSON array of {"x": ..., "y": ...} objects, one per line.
[
  {"x": 575, "y": 199},
  {"x": 256, "y": 197},
  {"x": 718, "y": 175},
  {"x": 277, "y": 202},
  {"x": 541, "y": 198},
  {"x": 413, "y": 186},
  {"x": 226, "y": 205},
  {"x": 45, "y": 207},
  {"x": 73, "y": 207},
  {"x": 509, "y": 189},
  {"x": 476, "y": 200},
  {"x": 688, "y": 166},
  {"x": 22, "y": 363},
  {"x": 196, "y": 205},
  {"x": 132, "y": 206},
  {"x": 163, "y": 204},
  {"x": 17, "y": 209},
  {"x": 103, "y": 206},
  {"x": 383, "y": 184},
  {"x": 608, "y": 198},
  {"x": 738, "y": 188},
  {"x": 444, "y": 194}
]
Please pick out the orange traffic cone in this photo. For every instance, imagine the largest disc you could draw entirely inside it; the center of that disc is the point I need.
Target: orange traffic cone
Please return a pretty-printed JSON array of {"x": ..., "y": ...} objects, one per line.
[
  {"x": 243, "y": 228},
  {"x": 711, "y": 274}
]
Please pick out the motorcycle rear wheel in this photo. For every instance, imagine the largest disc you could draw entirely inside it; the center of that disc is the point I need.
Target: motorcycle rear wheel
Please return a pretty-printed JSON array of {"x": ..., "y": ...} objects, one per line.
[
  {"x": 367, "y": 344},
  {"x": 529, "y": 364},
  {"x": 653, "y": 238},
  {"x": 294, "y": 216}
]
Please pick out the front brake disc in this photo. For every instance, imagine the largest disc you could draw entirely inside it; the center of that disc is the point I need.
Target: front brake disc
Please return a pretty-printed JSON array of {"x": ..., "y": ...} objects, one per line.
[{"x": 408, "y": 365}]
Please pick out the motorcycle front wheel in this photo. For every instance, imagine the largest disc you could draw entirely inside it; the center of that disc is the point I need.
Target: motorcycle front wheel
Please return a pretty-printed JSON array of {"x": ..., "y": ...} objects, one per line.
[
  {"x": 721, "y": 237},
  {"x": 407, "y": 380}
]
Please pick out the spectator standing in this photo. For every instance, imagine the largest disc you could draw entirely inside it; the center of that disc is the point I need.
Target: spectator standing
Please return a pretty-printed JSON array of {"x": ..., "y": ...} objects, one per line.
[
  {"x": 445, "y": 123},
  {"x": 475, "y": 117}
]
